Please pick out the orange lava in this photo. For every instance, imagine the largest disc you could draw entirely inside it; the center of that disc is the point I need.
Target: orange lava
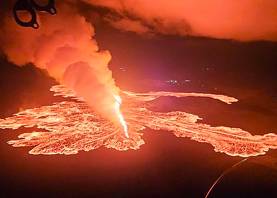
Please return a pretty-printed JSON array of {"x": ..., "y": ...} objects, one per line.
[
  {"x": 122, "y": 121},
  {"x": 72, "y": 126}
]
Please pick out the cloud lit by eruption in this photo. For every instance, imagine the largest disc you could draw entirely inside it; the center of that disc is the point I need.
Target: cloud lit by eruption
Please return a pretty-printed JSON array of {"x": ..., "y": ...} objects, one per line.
[
  {"x": 65, "y": 48},
  {"x": 245, "y": 20}
]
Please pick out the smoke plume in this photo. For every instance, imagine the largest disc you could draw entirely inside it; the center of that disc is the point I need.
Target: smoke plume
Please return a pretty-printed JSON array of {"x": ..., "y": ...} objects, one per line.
[
  {"x": 244, "y": 20},
  {"x": 64, "y": 47}
]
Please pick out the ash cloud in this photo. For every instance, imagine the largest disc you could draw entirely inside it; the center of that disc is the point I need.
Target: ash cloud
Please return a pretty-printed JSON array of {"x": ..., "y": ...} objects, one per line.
[{"x": 246, "y": 20}]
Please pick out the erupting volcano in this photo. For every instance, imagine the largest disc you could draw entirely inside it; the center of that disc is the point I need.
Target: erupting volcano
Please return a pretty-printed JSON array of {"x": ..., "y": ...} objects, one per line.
[
  {"x": 71, "y": 126},
  {"x": 125, "y": 98}
]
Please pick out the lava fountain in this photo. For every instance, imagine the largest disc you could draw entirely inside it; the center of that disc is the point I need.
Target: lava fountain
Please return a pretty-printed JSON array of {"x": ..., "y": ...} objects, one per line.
[{"x": 122, "y": 121}]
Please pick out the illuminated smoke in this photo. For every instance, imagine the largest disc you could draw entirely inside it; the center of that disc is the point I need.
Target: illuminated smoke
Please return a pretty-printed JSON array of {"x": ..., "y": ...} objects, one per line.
[
  {"x": 65, "y": 48},
  {"x": 229, "y": 19}
]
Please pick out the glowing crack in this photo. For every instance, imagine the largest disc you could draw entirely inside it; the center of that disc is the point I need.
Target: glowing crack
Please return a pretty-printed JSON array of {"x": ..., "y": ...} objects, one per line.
[{"x": 71, "y": 126}]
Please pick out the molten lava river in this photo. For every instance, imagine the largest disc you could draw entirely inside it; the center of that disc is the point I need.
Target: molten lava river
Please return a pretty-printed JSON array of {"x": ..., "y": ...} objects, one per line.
[{"x": 70, "y": 126}]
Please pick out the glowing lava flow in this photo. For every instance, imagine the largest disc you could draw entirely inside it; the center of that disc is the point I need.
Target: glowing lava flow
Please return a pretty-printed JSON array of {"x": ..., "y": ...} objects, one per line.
[
  {"x": 71, "y": 126},
  {"x": 118, "y": 102}
]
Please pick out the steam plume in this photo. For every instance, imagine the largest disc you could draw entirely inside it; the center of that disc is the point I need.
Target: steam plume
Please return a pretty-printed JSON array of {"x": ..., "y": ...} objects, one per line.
[{"x": 64, "y": 47}]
